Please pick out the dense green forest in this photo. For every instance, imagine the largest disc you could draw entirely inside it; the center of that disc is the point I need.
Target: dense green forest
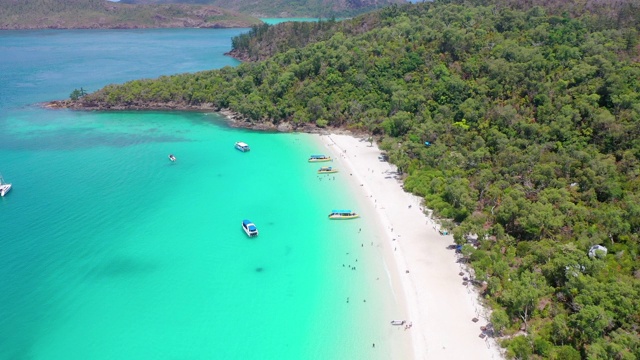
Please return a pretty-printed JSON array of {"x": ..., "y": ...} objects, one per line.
[
  {"x": 287, "y": 8},
  {"x": 533, "y": 118},
  {"x": 92, "y": 14}
]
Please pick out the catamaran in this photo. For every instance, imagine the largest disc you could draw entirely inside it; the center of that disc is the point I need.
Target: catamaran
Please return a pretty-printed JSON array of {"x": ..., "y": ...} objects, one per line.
[{"x": 4, "y": 187}]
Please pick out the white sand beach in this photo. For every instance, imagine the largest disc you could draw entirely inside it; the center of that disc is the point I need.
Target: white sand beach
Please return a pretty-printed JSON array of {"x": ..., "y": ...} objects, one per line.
[{"x": 439, "y": 307}]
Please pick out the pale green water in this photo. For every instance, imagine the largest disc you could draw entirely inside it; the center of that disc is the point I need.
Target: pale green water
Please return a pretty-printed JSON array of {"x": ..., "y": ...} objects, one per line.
[{"x": 110, "y": 251}]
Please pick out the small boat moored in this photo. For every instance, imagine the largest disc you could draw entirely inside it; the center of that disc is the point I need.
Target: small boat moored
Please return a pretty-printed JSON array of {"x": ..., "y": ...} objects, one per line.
[
  {"x": 4, "y": 187},
  {"x": 342, "y": 215},
  {"x": 327, "y": 170},
  {"x": 171, "y": 157},
  {"x": 319, "y": 158},
  {"x": 249, "y": 228},
  {"x": 242, "y": 146}
]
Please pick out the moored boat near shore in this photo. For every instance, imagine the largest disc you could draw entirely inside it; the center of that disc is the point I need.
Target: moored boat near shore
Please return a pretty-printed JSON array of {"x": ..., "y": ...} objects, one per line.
[
  {"x": 319, "y": 158},
  {"x": 327, "y": 170},
  {"x": 342, "y": 215}
]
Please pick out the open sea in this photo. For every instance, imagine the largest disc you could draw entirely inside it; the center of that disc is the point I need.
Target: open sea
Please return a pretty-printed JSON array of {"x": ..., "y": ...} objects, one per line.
[{"x": 110, "y": 251}]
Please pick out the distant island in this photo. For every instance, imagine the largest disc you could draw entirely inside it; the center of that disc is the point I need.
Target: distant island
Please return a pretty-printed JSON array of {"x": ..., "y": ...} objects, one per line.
[
  {"x": 287, "y": 8},
  {"x": 103, "y": 14}
]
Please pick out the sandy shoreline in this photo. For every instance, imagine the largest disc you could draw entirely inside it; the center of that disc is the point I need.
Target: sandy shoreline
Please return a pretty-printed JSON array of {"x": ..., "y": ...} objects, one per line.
[{"x": 427, "y": 276}]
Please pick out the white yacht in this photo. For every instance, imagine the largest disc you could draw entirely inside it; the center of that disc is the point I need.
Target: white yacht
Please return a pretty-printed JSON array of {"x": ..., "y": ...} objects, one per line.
[
  {"x": 4, "y": 187},
  {"x": 342, "y": 214},
  {"x": 319, "y": 158},
  {"x": 242, "y": 146}
]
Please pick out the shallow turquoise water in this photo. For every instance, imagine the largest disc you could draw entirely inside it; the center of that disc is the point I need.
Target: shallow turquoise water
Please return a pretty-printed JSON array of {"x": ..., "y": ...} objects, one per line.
[{"x": 110, "y": 251}]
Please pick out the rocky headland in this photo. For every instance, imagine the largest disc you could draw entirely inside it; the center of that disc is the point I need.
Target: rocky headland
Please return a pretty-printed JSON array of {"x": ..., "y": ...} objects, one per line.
[{"x": 233, "y": 119}]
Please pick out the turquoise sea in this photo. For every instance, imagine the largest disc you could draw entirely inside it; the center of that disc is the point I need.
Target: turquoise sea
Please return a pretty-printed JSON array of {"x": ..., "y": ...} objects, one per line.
[
  {"x": 110, "y": 251},
  {"x": 273, "y": 21}
]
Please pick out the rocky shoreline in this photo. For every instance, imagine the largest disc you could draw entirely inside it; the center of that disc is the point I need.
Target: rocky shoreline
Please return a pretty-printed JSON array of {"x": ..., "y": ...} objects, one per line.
[
  {"x": 238, "y": 55},
  {"x": 233, "y": 119},
  {"x": 97, "y": 26}
]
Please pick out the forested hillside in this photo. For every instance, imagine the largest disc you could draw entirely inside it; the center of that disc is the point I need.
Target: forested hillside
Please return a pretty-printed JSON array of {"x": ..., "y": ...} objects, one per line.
[
  {"x": 531, "y": 118},
  {"x": 103, "y": 14},
  {"x": 287, "y": 8}
]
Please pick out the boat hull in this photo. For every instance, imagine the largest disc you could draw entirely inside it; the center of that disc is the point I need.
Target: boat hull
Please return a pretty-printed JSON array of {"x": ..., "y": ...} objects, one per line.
[
  {"x": 240, "y": 146},
  {"x": 249, "y": 228},
  {"x": 249, "y": 233},
  {"x": 343, "y": 217},
  {"x": 4, "y": 189},
  {"x": 320, "y": 160}
]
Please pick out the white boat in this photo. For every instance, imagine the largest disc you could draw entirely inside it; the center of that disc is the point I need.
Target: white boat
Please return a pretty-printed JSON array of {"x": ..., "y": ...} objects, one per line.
[
  {"x": 319, "y": 158},
  {"x": 242, "y": 146},
  {"x": 327, "y": 170},
  {"x": 4, "y": 187},
  {"x": 342, "y": 215},
  {"x": 171, "y": 157},
  {"x": 250, "y": 228}
]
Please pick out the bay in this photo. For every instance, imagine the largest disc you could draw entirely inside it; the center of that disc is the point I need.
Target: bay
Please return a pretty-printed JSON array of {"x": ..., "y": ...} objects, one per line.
[{"x": 109, "y": 250}]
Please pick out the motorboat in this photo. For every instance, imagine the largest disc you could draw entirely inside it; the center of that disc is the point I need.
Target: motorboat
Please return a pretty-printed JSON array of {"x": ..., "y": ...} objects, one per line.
[
  {"x": 327, "y": 170},
  {"x": 249, "y": 228},
  {"x": 4, "y": 187},
  {"x": 242, "y": 146},
  {"x": 171, "y": 157},
  {"x": 319, "y": 158},
  {"x": 342, "y": 215}
]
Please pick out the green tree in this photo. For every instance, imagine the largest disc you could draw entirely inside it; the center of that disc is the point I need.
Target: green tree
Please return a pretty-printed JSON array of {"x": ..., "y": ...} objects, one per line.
[
  {"x": 590, "y": 323},
  {"x": 500, "y": 320},
  {"x": 522, "y": 293}
]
